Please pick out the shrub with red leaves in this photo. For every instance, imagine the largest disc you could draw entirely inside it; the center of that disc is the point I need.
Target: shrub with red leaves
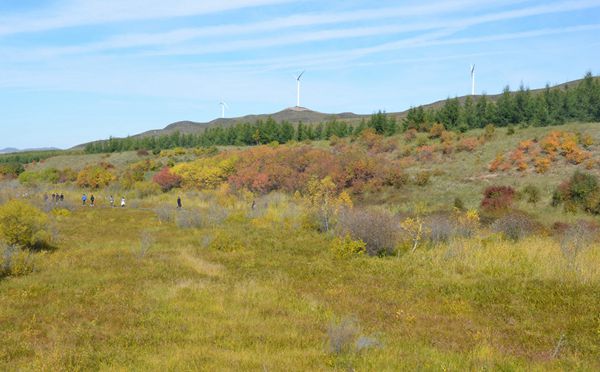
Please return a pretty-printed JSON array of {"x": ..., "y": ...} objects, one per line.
[
  {"x": 497, "y": 198},
  {"x": 167, "y": 180}
]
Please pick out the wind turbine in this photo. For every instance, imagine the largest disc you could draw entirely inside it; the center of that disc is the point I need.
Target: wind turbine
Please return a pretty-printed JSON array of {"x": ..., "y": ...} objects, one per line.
[
  {"x": 298, "y": 88},
  {"x": 223, "y": 107},
  {"x": 472, "y": 80}
]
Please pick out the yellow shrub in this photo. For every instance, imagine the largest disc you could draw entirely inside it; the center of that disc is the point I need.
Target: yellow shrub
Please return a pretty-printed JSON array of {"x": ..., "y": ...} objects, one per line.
[
  {"x": 22, "y": 225},
  {"x": 205, "y": 173},
  {"x": 347, "y": 247},
  {"x": 15, "y": 261},
  {"x": 94, "y": 177}
]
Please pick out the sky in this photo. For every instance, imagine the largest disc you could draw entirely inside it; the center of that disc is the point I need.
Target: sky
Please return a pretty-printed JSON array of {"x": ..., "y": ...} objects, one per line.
[{"x": 73, "y": 71}]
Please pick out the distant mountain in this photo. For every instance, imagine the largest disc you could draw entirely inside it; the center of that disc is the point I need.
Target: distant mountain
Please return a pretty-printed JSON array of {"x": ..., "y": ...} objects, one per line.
[
  {"x": 11, "y": 150},
  {"x": 296, "y": 115},
  {"x": 293, "y": 115}
]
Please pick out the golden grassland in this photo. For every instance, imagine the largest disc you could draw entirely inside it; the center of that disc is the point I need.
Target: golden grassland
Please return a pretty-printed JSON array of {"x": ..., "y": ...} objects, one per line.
[
  {"x": 219, "y": 286},
  {"x": 258, "y": 291}
]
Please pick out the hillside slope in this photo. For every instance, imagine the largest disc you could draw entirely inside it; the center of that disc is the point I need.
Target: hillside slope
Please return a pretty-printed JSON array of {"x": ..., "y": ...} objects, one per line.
[{"x": 296, "y": 115}]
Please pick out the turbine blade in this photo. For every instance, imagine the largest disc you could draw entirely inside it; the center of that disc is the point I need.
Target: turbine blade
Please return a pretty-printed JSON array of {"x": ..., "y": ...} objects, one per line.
[{"x": 302, "y": 73}]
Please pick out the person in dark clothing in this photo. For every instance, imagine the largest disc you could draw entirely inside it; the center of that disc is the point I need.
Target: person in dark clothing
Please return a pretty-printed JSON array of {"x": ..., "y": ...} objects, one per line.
[
  {"x": 62, "y": 197},
  {"x": 179, "y": 202},
  {"x": 92, "y": 200},
  {"x": 53, "y": 197}
]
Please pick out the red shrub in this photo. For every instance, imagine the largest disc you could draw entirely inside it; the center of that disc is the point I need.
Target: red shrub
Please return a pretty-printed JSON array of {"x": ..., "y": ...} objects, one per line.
[
  {"x": 166, "y": 180},
  {"x": 497, "y": 198}
]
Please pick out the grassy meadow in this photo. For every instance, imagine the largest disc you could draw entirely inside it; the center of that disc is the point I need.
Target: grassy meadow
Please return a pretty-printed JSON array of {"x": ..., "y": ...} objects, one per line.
[{"x": 222, "y": 285}]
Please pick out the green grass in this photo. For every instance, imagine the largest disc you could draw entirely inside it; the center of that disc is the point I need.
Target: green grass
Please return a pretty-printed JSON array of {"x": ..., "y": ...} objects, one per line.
[{"x": 260, "y": 293}]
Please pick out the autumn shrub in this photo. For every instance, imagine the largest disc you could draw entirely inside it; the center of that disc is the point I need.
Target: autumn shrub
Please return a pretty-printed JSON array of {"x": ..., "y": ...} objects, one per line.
[
  {"x": 11, "y": 170},
  {"x": 440, "y": 227},
  {"x": 586, "y": 140},
  {"x": 95, "y": 176},
  {"x": 542, "y": 164},
  {"x": 205, "y": 173},
  {"x": 577, "y": 156},
  {"x": 496, "y": 163},
  {"x": 577, "y": 237},
  {"x": 459, "y": 204},
  {"x": 396, "y": 177},
  {"x": 489, "y": 131},
  {"x": 436, "y": 130},
  {"x": 532, "y": 194},
  {"x": 590, "y": 164},
  {"x": 15, "y": 261},
  {"x": 346, "y": 247},
  {"x": 514, "y": 226},
  {"x": 48, "y": 175},
  {"x": 377, "y": 229},
  {"x": 497, "y": 198},
  {"x": 581, "y": 191},
  {"x": 421, "y": 140},
  {"x": 23, "y": 225},
  {"x": 187, "y": 219},
  {"x": 166, "y": 179},
  {"x": 468, "y": 144},
  {"x": 410, "y": 135},
  {"x": 425, "y": 152},
  {"x": 142, "y": 152}
]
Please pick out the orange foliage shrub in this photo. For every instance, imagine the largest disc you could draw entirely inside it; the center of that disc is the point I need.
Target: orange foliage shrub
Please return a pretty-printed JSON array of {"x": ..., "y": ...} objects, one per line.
[
  {"x": 577, "y": 156},
  {"x": 263, "y": 169},
  {"x": 495, "y": 164},
  {"x": 590, "y": 164},
  {"x": 436, "y": 130},
  {"x": 425, "y": 153},
  {"x": 526, "y": 146},
  {"x": 542, "y": 164},
  {"x": 468, "y": 144},
  {"x": 553, "y": 145},
  {"x": 410, "y": 135}
]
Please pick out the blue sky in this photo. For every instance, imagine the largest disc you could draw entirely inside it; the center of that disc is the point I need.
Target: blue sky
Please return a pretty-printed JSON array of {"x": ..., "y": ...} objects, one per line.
[{"x": 72, "y": 71}]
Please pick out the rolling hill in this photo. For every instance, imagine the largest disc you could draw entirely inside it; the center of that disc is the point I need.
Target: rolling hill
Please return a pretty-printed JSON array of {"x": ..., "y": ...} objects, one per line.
[{"x": 296, "y": 115}]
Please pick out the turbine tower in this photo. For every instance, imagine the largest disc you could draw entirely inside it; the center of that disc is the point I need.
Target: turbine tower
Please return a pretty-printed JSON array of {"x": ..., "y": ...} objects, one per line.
[
  {"x": 298, "y": 88},
  {"x": 223, "y": 107},
  {"x": 472, "y": 80}
]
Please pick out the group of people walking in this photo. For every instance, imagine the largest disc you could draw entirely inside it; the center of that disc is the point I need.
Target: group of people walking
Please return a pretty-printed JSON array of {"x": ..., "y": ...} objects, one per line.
[
  {"x": 56, "y": 197},
  {"x": 92, "y": 199}
]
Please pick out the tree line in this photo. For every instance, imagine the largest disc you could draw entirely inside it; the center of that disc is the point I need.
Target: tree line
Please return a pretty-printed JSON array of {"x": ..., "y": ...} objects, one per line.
[
  {"x": 245, "y": 134},
  {"x": 550, "y": 106}
]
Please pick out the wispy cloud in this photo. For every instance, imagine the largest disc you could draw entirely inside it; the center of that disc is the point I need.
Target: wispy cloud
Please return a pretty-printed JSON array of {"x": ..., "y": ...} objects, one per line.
[
  {"x": 180, "y": 41},
  {"x": 75, "y": 13}
]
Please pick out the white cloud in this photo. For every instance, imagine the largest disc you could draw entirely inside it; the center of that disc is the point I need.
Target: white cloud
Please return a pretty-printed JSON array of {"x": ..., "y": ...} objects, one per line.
[
  {"x": 75, "y": 13},
  {"x": 170, "y": 42}
]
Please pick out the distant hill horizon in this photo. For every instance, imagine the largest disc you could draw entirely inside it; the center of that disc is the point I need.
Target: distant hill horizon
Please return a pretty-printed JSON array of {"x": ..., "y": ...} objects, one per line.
[
  {"x": 295, "y": 115},
  {"x": 12, "y": 150}
]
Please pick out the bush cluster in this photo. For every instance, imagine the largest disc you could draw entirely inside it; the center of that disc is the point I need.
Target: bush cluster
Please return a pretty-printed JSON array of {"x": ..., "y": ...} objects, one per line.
[
  {"x": 581, "y": 191},
  {"x": 377, "y": 229},
  {"x": 497, "y": 198},
  {"x": 22, "y": 225}
]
